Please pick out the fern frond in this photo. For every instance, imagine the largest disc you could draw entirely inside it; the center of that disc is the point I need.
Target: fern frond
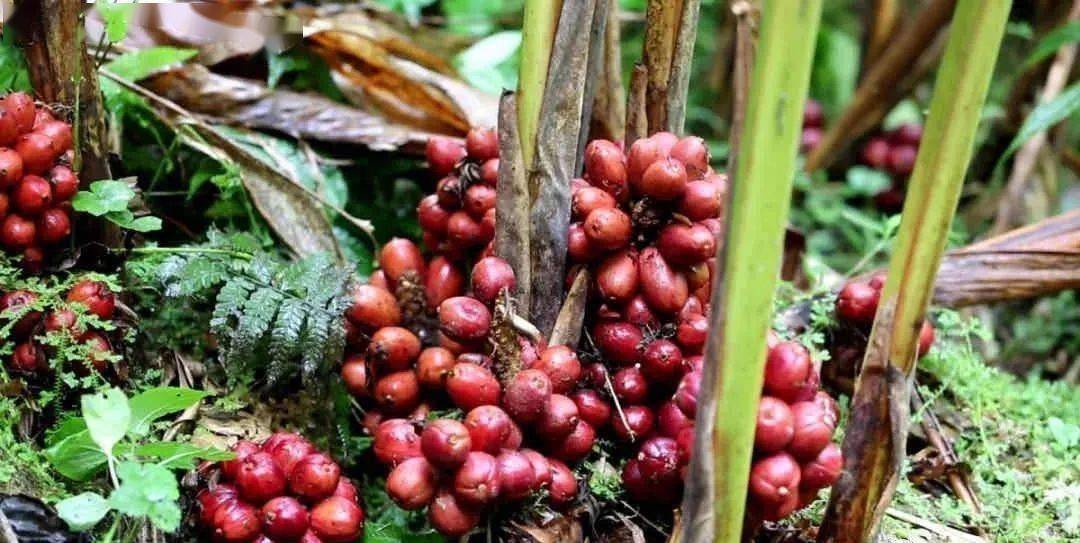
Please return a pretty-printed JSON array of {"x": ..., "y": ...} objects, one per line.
[{"x": 285, "y": 339}]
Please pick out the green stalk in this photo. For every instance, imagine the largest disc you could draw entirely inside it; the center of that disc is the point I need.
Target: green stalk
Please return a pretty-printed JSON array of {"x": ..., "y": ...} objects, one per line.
[
  {"x": 877, "y": 431},
  {"x": 752, "y": 252},
  {"x": 537, "y": 34}
]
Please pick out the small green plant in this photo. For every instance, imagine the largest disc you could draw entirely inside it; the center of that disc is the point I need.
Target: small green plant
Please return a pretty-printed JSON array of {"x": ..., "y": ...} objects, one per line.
[{"x": 111, "y": 199}]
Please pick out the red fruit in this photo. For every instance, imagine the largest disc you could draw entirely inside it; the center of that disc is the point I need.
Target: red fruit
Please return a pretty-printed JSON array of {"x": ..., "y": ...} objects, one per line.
[
  {"x": 527, "y": 395},
  {"x": 449, "y": 517},
  {"x": 482, "y": 144},
  {"x": 478, "y": 200},
  {"x": 373, "y": 308},
  {"x": 670, "y": 420},
  {"x": 5, "y": 203},
  {"x": 11, "y": 168},
  {"x": 658, "y": 461},
  {"x": 685, "y": 441},
  {"x": 561, "y": 365},
  {"x": 684, "y": 245},
  {"x": 516, "y": 475},
  {"x": 788, "y": 369},
  {"x": 618, "y": 341},
  {"x": 635, "y": 422},
  {"x": 476, "y": 482},
  {"x": 558, "y": 419},
  {"x": 605, "y": 168},
  {"x": 400, "y": 257},
  {"x": 412, "y": 483},
  {"x": 812, "y": 431},
  {"x": 53, "y": 226},
  {"x": 701, "y": 200},
  {"x": 663, "y": 180},
  {"x": 62, "y": 319},
  {"x": 630, "y": 385},
  {"x": 592, "y": 407},
  {"x": 687, "y": 393},
  {"x": 259, "y": 478},
  {"x": 589, "y": 199},
  {"x": 432, "y": 367},
  {"x": 17, "y": 232},
  {"x": 210, "y": 499},
  {"x": 662, "y": 361},
  {"x": 337, "y": 520},
  {"x": 464, "y": 319},
  {"x": 396, "y": 441},
  {"x": 9, "y": 129},
  {"x": 42, "y": 116},
  {"x": 33, "y": 259},
  {"x": 577, "y": 244},
  {"x": 242, "y": 449},
  {"x": 236, "y": 522},
  {"x": 21, "y": 107},
  {"x": 596, "y": 376},
  {"x": 398, "y": 393},
  {"x": 288, "y": 454},
  {"x": 489, "y": 172},
  {"x": 811, "y": 138},
  {"x": 634, "y": 482},
  {"x": 60, "y": 134},
  {"x": 857, "y": 303},
  {"x": 378, "y": 279},
  {"x": 489, "y": 277},
  {"x": 906, "y": 134},
  {"x": 575, "y": 446},
  {"x": 357, "y": 378},
  {"x": 813, "y": 114},
  {"x": 823, "y": 470},
  {"x": 698, "y": 279},
  {"x": 541, "y": 469},
  {"x": 926, "y": 338},
  {"x": 99, "y": 352},
  {"x": 443, "y": 280},
  {"x": 36, "y": 151},
  {"x": 28, "y": 358},
  {"x": 902, "y": 159},
  {"x": 310, "y": 537},
  {"x": 463, "y": 231},
  {"x": 637, "y": 312},
  {"x": 890, "y": 200},
  {"x": 617, "y": 277},
  {"x": 665, "y": 289},
  {"x": 284, "y": 519},
  {"x": 643, "y": 153},
  {"x": 12, "y": 303},
  {"x": 279, "y": 438},
  {"x": 448, "y": 190},
  {"x": 774, "y": 478},
  {"x": 443, "y": 154},
  {"x": 487, "y": 227},
  {"x": 432, "y": 216},
  {"x": 471, "y": 385},
  {"x": 345, "y": 489},
  {"x": 608, "y": 229},
  {"x": 694, "y": 155},
  {"x": 775, "y": 425},
  {"x": 876, "y": 153},
  {"x": 393, "y": 348},
  {"x": 775, "y": 512},
  {"x": 564, "y": 486},
  {"x": 314, "y": 477},
  {"x": 445, "y": 443},
  {"x": 829, "y": 406},
  {"x": 489, "y": 428}
]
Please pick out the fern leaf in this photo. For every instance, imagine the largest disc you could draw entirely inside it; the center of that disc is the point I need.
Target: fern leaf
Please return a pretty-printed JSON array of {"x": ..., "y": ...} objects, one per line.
[
  {"x": 285, "y": 339},
  {"x": 229, "y": 304},
  {"x": 254, "y": 321}
]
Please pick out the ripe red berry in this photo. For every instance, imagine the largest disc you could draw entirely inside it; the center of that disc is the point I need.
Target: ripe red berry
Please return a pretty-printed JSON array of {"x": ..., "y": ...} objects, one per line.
[
  {"x": 489, "y": 428},
  {"x": 823, "y": 470},
  {"x": 314, "y": 477},
  {"x": 561, "y": 365},
  {"x": 393, "y": 348},
  {"x": 775, "y": 425},
  {"x": 617, "y": 277},
  {"x": 53, "y": 226},
  {"x": 346, "y": 489},
  {"x": 662, "y": 361},
  {"x": 259, "y": 478},
  {"x": 477, "y": 481},
  {"x": 659, "y": 461},
  {"x": 630, "y": 385},
  {"x": 701, "y": 200},
  {"x": 242, "y": 449},
  {"x": 576, "y": 445},
  {"x": 463, "y": 231},
  {"x": 236, "y": 522},
  {"x": 400, "y": 257},
  {"x": 59, "y": 133},
  {"x": 65, "y": 184},
  {"x": 608, "y": 229},
  {"x": 357, "y": 378},
  {"x": 694, "y": 155},
  {"x": 21, "y": 106},
  {"x": 398, "y": 393},
  {"x": 857, "y": 303},
  {"x": 578, "y": 248},
  {"x": 288, "y": 453},
  {"x": 478, "y": 200},
  {"x": 373, "y": 308},
  {"x": 284, "y": 519},
  {"x": 412, "y": 483},
  {"x": 444, "y": 280},
  {"x": 684, "y": 245},
  {"x": 11, "y": 168},
  {"x": 902, "y": 160},
  {"x": 564, "y": 486},
  {"x": 589, "y": 199},
  {"x": 210, "y": 499},
  {"x": 670, "y": 420},
  {"x": 926, "y": 338},
  {"x": 774, "y": 478},
  {"x": 337, "y": 520},
  {"x": 28, "y": 358},
  {"x": 445, "y": 443},
  {"x": 482, "y": 144},
  {"x": 812, "y": 430},
  {"x": 98, "y": 357},
  {"x": 432, "y": 367},
  {"x": 17, "y": 232},
  {"x": 443, "y": 154},
  {"x": 788, "y": 369},
  {"x": 432, "y": 216},
  {"x": 664, "y": 288},
  {"x": 686, "y": 394},
  {"x": 62, "y": 319},
  {"x": 395, "y": 441},
  {"x": 618, "y": 341},
  {"x": 637, "y": 312},
  {"x": 527, "y": 396},
  {"x": 558, "y": 419},
  {"x": 490, "y": 276},
  {"x": 516, "y": 475},
  {"x": 634, "y": 423},
  {"x": 464, "y": 319},
  {"x": 449, "y": 517},
  {"x": 876, "y": 153},
  {"x": 592, "y": 407},
  {"x": 489, "y": 172},
  {"x": 97, "y": 298},
  {"x": 605, "y": 167},
  {"x": 642, "y": 154},
  {"x": 9, "y": 128},
  {"x": 470, "y": 386},
  {"x": 663, "y": 180},
  {"x": 37, "y": 152}
]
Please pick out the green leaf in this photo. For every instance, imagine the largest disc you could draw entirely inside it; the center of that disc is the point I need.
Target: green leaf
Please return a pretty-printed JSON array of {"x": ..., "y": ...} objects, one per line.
[
  {"x": 14, "y": 75},
  {"x": 836, "y": 69},
  {"x": 148, "y": 490},
  {"x": 76, "y": 456},
  {"x": 108, "y": 417},
  {"x": 144, "y": 62},
  {"x": 491, "y": 63},
  {"x": 125, "y": 219},
  {"x": 181, "y": 456},
  {"x": 1053, "y": 41},
  {"x": 155, "y": 403},
  {"x": 103, "y": 197},
  {"x": 116, "y": 16},
  {"x": 409, "y": 8},
  {"x": 1042, "y": 118},
  {"x": 83, "y": 511},
  {"x": 865, "y": 181}
]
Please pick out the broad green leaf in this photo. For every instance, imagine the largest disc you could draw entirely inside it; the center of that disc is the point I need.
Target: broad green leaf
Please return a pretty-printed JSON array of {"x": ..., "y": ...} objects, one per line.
[
  {"x": 491, "y": 63},
  {"x": 103, "y": 197},
  {"x": 1053, "y": 41},
  {"x": 76, "y": 456},
  {"x": 181, "y": 456},
  {"x": 125, "y": 219},
  {"x": 836, "y": 69},
  {"x": 116, "y": 15},
  {"x": 68, "y": 427},
  {"x": 1043, "y": 117},
  {"x": 865, "y": 181},
  {"x": 83, "y": 511},
  {"x": 14, "y": 75},
  {"x": 155, "y": 403},
  {"x": 144, "y": 62},
  {"x": 108, "y": 417},
  {"x": 148, "y": 490}
]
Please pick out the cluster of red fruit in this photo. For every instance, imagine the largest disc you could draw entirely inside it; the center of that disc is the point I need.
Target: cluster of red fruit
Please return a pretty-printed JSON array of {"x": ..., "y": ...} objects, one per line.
[
  {"x": 459, "y": 218},
  {"x": 857, "y": 304},
  {"x": 458, "y": 469},
  {"x": 30, "y": 357},
  {"x": 283, "y": 491},
  {"x": 35, "y": 186},
  {"x": 813, "y": 125},
  {"x": 893, "y": 152}
]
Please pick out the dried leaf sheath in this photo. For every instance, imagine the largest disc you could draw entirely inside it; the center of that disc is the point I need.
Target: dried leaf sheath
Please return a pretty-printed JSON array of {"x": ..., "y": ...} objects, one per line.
[{"x": 512, "y": 202}]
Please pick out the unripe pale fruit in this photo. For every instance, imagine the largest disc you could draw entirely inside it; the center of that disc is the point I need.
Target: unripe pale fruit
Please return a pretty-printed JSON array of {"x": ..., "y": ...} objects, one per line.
[
  {"x": 684, "y": 245},
  {"x": 618, "y": 341},
  {"x": 636, "y": 422},
  {"x": 482, "y": 144},
  {"x": 337, "y": 520},
  {"x": 694, "y": 155},
  {"x": 449, "y": 517},
  {"x": 393, "y": 348},
  {"x": 774, "y": 478},
  {"x": 357, "y": 378},
  {"x": 665, "y": 289},
  {"x": 284, "y": 519},
  {"x": 788, "y": 369},
  {"x": 592, "y": 407},
  {"x": 395, "y": 441},
  {"x": 516, "y": 475},
  {"x": 489, "y": 277},
  {"x": 444, "y": 280},
  {"x": 560, "y": 363},
  {"x": 662, "y": 361},
  {"x": 464, "y": 319},
  {"x": 445, "y": 443},
  {"x": 608, "y": 229},
  {"x": 373, "y": 308},
  {"x": 664, "y": 180},
  {"x": 314, "y": 477},
  {"x": 576, "y": 445},
  {"x": 558, "y": 419},
  {"x": 775, "y": 425},
  {"x": 476, "y": 482},
  {"x": 259, "y": 478},
  {"x": 617, "y": 277},
  {"x": 527, "y": 396},
  {"x": 432, "y": 367},
  {"x": 589, "y": 199},
  {"x": 824, "y": 469},
  {"x": 398, "y": 393},
  {"x": 605, "y": 167},
  {"x": 443, "y": 154},
  {"x": 412, "y": 484},
  {"x": 471, "y": 385}
]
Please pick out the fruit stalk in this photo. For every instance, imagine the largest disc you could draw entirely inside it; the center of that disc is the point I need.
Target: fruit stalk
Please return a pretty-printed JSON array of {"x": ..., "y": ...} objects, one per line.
[
  {"x": 874, "y": 444},
  {"x": 537, "y": 35},
  {"x": 750, "y": 260}
]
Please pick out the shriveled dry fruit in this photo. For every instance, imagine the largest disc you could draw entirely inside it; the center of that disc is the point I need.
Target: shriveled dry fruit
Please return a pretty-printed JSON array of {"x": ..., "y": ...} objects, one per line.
[{"x": 282, "y": 490}]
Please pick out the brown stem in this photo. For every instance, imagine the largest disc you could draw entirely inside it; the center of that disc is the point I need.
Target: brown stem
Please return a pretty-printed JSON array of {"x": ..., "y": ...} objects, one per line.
[
  {"x": 609, "y": 107},
  {"x": 884, "y": 20},
  {"x": 512, "y": 202},
  {"x": 884, "y": 75},
  {"x": 637, "y": 124},
  {"x": 746, "y": 16},
  {"x": 661, "y": 31},
  {"x": 681, "y": 63}
]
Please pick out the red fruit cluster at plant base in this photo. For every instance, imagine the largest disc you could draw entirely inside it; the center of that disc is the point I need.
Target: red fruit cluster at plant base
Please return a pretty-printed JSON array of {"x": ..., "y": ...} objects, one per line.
[
  {"x": 813, "y": 125},
  {"x": 31, "y": 356},
  {"x": 282, "y": 491},
  {"x": 894, "y": 153},
  {"x": 857, "y": 303},
  {"x": 459, "y": 219},
  {"x": 36, "y": 182}
]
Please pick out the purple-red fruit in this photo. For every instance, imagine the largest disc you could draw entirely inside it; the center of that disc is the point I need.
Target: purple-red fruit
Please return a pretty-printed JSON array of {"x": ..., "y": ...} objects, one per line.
[
  {"x": 774, "y": 479},
  {"x": 516, "y": 475},
  {"x": 662, "y": 361},
  {"x": 823, "y": 470},
  {"x": 633, "y": 423},
  {"x": 412, "y": 483},
  {"x": 664, "y": 288},
  {"x": 236, "y": 522},
  {"x": 560, "y": 363},
  {"x": 476, "y": 482},
  {"x": 527, "y": 396},
  {"x": 432, "y": 367},
  {"x": 464, "y": 319},
  {"x": 617, "y": 277},
  {"x": 314, "y": 477},
  {"x": 663, "y": 180},
  {"x": 284, "y": 519},
  {"x": 337, "y": 520},
  {"x": 445, "y": 443},
  {"x": 393, "y": 348},
  {"x": 259, "y": 478},
  {"x": 470, "y": 386},
  {"x": 618, "y": 341},
  {"x": 788, "y": 369},
  {"x": 608, "y": 229},
  {"x": 398, "y": 393},
  {"x": 592, "y": 407},
  {"x": 482, "y": 144},
  {"x": 576, "y": 445},
  {"x": 558, "y": 419},
  {"x": 443, "y": 154},
  {"x": 775, "y": 425},
  {"x": 490, "y": 276},
  {"x": 395, "y": 441},
  {"x": 812, "y": 430},
  {"x": 449, "y": 517}
]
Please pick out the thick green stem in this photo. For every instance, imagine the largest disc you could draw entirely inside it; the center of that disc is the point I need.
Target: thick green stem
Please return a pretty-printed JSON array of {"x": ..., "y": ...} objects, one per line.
[
  {"x": 749, "y": 266},
  {"x": 874, "y": 444},
  {"x": 538, "y": 33}
]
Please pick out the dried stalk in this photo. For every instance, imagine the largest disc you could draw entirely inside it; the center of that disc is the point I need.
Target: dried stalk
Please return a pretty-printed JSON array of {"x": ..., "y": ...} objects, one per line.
[
  {"x": 877, "y": 430},
  {"x": 661, "y": 33},
  {"x": 884, "y": 20},
  {"x": 681, "y": 64},
  {"x": 746, "y": 14},
  {"x": 567, "y": 329},
  {"x": 512, "y": 202},
  {"x": 609, "y": 107},
  {"x": 883, "y": 76},
  {"x": 637, "y": 123}
]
